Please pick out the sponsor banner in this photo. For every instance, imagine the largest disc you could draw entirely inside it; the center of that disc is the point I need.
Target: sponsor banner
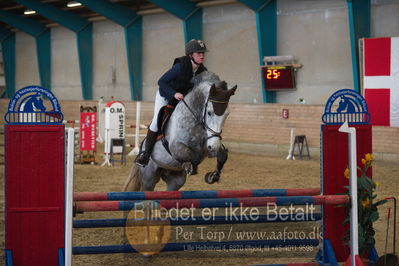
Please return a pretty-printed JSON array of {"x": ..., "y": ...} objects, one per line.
[{"x": 88, "y": 131}]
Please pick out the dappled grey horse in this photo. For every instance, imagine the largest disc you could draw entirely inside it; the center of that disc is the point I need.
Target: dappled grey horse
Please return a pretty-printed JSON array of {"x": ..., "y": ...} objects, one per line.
[{"x": 193, "y": 133}]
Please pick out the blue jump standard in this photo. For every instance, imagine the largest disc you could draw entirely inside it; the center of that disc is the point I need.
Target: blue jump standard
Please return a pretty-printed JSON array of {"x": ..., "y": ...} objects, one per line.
[{"x": 195, "y": 246}]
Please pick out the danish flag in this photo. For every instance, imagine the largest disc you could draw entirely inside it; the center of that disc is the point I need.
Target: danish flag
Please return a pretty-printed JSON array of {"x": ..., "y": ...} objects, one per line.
[{"x": 381, "y": 80}]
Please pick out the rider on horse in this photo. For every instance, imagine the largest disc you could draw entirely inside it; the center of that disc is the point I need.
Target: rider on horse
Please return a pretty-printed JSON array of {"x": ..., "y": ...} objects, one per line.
[{"x": 173, "y": 86}]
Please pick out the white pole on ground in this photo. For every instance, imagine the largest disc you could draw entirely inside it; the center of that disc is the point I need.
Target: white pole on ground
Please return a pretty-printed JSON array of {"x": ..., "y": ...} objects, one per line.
[
  {"x": 107, "y": 136},
  {"x": 100, "y": 118},
  {"x": 107, "y": 149},
  {"x": 69, "y": 195},
  {"x": 135, "y": 150},
  {"x": 291, "y": 150},
  {"x": 353, "y": 190}
]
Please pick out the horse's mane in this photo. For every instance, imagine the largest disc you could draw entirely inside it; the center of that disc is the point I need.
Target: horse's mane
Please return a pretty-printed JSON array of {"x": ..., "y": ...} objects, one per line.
[
  {"x": 202, "y": 83},
  {"x": 206, "y": 76}
]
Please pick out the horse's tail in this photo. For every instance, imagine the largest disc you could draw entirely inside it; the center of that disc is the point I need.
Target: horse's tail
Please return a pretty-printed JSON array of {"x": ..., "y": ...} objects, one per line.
[{"x": 133, "y": 181}]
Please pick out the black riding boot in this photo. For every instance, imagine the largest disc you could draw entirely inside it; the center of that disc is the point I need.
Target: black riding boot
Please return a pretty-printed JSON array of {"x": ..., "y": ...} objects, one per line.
[{"x": 143, "y": 157}]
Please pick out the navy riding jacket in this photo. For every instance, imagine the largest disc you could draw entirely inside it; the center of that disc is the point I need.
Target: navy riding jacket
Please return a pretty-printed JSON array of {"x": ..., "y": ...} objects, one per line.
[{"x": 178, "y": 79}]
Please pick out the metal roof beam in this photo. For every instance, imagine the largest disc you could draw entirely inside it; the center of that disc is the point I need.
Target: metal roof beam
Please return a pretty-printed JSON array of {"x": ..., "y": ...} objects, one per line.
[
  {"x": 26, "y": 25},
  {"x": 132, "y": 24},
  {"x": 266, "y": 28},
  {"x": 83, "y": 30},
  {"x": 42, "y": 35},
  {"x": 67, "y": 19},
  {"x": 255, "y": 5},
  {"x": 180, "y": 8},
  {"x": 117, "y": 13},
  {"x": 188, "y": 12}
]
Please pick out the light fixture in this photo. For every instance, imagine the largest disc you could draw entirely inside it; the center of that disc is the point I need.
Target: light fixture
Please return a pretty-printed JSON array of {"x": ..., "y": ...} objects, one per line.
[
  {"x": 73, "y": 4},
  {"x": 29, "y": 12}
]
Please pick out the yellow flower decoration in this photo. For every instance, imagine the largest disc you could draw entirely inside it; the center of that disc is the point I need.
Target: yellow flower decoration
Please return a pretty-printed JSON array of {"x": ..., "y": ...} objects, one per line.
[
  {"x": 366, "y": 202},
  {"x": 346, "y": 173},
  {"x": 368, "y": 158}
]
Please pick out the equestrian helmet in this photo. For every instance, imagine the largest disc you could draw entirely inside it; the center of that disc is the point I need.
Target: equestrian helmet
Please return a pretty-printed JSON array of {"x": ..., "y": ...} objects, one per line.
[{"x": 195, "y": 46}]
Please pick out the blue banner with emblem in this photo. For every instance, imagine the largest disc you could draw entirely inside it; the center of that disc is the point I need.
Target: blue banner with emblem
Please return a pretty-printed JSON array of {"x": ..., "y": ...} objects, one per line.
[
  {"x": 346, "y": 105},
  {"x": 33, "y": 105}
]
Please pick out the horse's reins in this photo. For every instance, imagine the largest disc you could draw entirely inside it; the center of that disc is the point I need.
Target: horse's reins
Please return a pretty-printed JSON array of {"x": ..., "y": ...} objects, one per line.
[{"x": 203, "y": 120}]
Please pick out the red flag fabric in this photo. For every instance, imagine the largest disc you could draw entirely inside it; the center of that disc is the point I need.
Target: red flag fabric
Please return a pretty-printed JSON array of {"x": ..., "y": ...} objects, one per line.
[{"x": 381, "y": 80}]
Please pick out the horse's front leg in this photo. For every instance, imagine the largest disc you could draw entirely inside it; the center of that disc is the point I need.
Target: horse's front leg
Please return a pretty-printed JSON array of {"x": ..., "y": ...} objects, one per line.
[
  {"x": 222, "y": 156},
  {"x": 184, "y": 154}
]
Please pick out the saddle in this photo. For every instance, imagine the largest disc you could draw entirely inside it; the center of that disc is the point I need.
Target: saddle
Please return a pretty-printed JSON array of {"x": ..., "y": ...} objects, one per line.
[{"x": 163, "y": 118}]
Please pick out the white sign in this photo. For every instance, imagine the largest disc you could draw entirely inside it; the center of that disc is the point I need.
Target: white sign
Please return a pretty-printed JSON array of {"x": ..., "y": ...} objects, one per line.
[
  {"x": 114, "y": 126},
  {"x": 101, "y": 121}
]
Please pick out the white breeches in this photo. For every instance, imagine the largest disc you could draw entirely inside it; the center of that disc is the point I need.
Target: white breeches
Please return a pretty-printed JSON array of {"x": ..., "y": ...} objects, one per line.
[{"x": 159, "y": 103}]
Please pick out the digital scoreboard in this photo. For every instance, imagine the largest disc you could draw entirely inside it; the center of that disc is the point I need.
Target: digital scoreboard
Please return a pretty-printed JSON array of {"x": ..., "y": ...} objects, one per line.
[{"x": 278, "y": 77}]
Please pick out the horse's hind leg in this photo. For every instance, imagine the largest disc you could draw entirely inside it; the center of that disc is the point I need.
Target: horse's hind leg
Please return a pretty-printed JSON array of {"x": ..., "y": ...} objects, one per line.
[
  {"x": 222, "y": 156},
  {"x": 174, "y": 179},
  {"x": 150, "y": 177}
]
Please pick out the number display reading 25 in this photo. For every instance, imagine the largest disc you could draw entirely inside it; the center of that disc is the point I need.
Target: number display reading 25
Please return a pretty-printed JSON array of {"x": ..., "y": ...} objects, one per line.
[
  {"x": 273, "y": 74},
  {"x": 278, "y": 77}
]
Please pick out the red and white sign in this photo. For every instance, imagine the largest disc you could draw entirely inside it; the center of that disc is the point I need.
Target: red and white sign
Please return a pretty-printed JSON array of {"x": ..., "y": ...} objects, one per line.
[
  {"x": 88, "y": 131},
  {"x": 285, "y": 113},
  {"x": 381, "y": 80}
]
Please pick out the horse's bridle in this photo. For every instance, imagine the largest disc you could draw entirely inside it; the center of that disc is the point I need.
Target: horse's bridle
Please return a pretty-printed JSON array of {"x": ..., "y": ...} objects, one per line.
[{"x": 202, "y": 121}]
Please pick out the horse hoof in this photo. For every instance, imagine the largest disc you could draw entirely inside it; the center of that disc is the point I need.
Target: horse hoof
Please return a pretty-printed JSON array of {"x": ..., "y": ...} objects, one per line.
[
  {"x": 195, "y": 169},
  {"x": 188, "y": 168},
  {"x": 212, "y": 177},
  {"x": 147, "y": 256}
]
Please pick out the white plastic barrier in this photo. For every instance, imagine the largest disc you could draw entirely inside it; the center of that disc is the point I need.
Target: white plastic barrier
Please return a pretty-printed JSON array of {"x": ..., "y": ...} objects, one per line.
[{"x": 114, "y": 127}]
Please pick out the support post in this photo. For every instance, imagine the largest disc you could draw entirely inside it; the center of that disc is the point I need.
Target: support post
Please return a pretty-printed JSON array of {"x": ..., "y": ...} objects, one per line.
[
  {"x": 132, "y": 24},
  {"x": 353, "y": 190},
  {"x": 136, "y": 149},
  {"x": 134, "y": 48},
  {"x": 7, "y": 39},
  {"x": 266, "y": 28},
  {"x": 43, "y": 48},
  {"x": 83, "y": 29},
  {"x": 42, "y": 34},
  {"x": 359, "y": 17},
  {"x": 188, "y": 12},
  {"x": 69, "y": 195}
]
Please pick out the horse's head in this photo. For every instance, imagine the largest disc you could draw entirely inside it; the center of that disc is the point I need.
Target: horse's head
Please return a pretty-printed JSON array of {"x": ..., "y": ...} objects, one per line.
[
  {"x": 32, "y": 103},
  {"x": 342, "y": 104},
  {"x": 216, "y": 112},
  {"x": 37, "y": 103}
]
